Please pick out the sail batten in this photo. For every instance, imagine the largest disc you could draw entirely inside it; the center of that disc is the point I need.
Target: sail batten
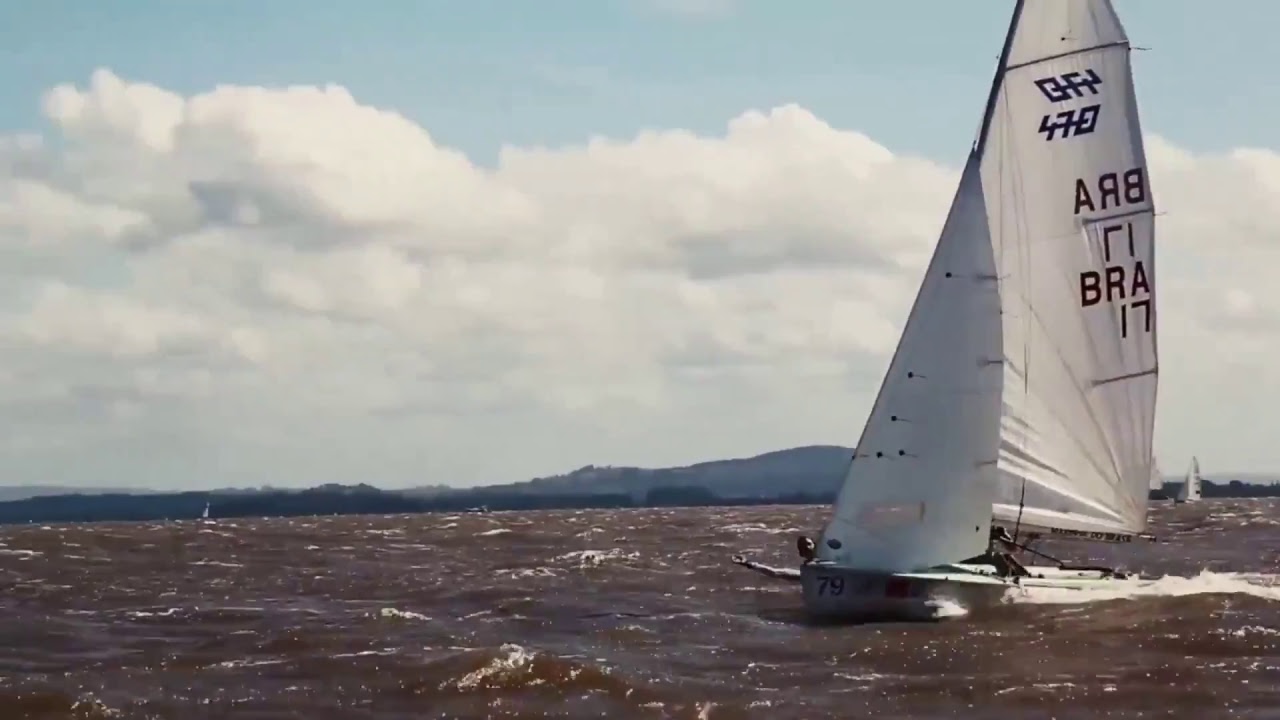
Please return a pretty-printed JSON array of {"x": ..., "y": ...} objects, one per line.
[{"x": 1051, "y": 58}]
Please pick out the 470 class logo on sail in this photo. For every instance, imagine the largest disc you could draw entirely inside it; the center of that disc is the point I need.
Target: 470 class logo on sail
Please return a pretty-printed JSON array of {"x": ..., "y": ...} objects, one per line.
[{"x": 1072, "y": 122}]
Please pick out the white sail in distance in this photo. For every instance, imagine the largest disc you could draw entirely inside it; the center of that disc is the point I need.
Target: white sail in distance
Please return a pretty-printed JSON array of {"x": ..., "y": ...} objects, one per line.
[{"x": 1190, "y": 490}]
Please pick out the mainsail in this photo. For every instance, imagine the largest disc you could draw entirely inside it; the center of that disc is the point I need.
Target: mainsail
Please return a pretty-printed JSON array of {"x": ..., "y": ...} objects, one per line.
[{"x": 1072, "y": 223}]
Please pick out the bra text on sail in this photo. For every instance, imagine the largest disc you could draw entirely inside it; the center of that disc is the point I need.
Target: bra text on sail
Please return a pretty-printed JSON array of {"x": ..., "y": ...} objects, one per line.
[
  {"x": 1118, "y": 283},
  {"x": 1111, "y": 191}
]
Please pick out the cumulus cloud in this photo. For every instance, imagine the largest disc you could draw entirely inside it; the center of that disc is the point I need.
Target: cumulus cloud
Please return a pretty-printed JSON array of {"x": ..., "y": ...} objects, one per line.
[{"x": 289, "y": 286}]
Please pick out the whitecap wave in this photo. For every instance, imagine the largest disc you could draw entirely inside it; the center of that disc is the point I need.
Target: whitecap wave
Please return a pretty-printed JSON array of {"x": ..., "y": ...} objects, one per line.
[{"x": 1257, "y": 585}]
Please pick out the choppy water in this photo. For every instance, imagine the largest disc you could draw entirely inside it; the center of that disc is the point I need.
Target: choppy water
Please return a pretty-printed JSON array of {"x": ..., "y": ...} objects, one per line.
[{"x": 612, "y": 614}]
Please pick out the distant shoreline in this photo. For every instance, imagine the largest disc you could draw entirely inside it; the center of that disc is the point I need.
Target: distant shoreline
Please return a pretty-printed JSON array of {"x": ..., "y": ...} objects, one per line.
[{"x": 368, "y": 500}]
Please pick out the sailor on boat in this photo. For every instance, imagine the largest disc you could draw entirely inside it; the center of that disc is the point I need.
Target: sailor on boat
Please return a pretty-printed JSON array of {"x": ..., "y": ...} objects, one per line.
[
  {"x": 807, "y": 549},
  {"x": 1000, "y": 554},
  {"x": 778, "y": 573},
  {"x": 808, "y": 553}
]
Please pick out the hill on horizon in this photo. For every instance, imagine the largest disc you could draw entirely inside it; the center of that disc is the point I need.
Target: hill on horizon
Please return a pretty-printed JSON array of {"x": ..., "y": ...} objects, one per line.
[
  {"x": 809, "y": 470},
  {"x": 813, "y": 469},
  {"x": 23, "y": 492},
  {"x": 804, "y": 475}
]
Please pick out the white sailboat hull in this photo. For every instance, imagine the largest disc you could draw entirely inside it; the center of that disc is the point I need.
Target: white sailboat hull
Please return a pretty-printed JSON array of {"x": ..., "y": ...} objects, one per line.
[{"x": 837, "y": 593}]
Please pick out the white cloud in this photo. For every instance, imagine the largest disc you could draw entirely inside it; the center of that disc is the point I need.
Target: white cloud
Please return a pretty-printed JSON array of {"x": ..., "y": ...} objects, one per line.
[{"x": 284, "y": 285}]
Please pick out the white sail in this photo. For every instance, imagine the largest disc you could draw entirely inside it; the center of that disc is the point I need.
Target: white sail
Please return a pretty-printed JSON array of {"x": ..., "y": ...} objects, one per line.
[
  {"x": 920, "y": 487},
  {"x": 1071, "y": 219},
  {"x": 1190, "y": 490}
]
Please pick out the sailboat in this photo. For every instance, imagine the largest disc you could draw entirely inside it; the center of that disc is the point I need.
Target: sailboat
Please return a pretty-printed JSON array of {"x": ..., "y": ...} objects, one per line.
[
  {"x": 204, "y": 516},
  {"x": 1190, "y": 490},
  {"x": 1020, "y": 401}
]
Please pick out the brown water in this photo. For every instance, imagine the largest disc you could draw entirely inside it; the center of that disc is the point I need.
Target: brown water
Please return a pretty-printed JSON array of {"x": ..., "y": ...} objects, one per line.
[{"x": 612, "y": 614}]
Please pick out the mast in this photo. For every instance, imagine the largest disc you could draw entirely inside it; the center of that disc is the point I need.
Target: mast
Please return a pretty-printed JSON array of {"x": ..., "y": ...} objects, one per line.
[
  {"x": 980, "y": 145},
  {"x": 997, "y": 80}
]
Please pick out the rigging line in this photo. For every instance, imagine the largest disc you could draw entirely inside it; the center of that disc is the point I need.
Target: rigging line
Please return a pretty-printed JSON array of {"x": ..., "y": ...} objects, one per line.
[
  {"x": 1025, "y": 547},
  {"x": 1092, "y": 231},
  {"x": 1099, "y": 434},
  {"x": 1082, "y": 323},
  {"x": 1096, "y": 426},
  {"x": 1022, "y": 503},
  {"x": 1016, "y": 191}
]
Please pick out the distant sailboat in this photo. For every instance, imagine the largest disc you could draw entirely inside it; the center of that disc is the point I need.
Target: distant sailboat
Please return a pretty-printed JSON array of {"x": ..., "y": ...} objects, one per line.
[
  {"x": 1190, "y": 490},
  {"x": 204, "y": 516},
  {"x": 1021, "y": 397}
]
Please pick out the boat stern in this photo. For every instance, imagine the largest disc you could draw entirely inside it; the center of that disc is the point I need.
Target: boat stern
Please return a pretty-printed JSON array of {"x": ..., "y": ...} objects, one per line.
[{"x": 835, "y": 593}]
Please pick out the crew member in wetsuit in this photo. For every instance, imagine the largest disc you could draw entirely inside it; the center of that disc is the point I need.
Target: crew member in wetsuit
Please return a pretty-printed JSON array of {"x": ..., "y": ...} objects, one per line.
[
  {"x": 1001, "y": 540},
  {"x": 1001, "y": 553},
  {"x": 808, "y": 551},
  {"x": 791, "y": 575},
  {"x": 1000, "y": 549}
]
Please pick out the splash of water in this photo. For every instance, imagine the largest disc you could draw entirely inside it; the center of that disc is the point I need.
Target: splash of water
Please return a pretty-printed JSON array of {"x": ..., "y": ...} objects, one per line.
[
  {"x": 1257, "y": 585},
  {"x": 946, "y": 609},
  {"x": 514, "y": 658}
]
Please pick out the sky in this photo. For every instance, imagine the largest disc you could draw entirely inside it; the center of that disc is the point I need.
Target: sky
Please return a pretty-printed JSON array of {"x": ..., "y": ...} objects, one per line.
[{"x": 425, "y": 242}]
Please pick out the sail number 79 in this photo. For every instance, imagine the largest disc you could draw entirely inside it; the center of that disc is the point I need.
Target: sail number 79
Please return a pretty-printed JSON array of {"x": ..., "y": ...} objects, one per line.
[{"x": 830, "y": 585}]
